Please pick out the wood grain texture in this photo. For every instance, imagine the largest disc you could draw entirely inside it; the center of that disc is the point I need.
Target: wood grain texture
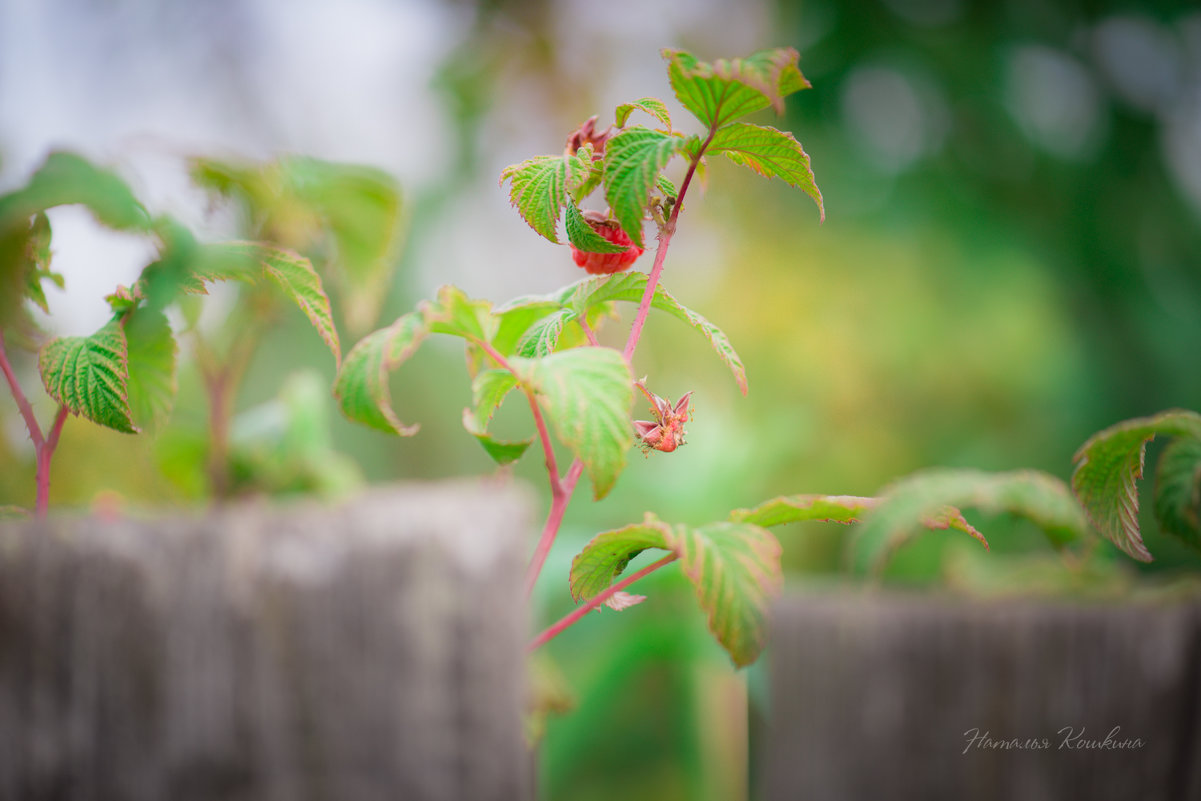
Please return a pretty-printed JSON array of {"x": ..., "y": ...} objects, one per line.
[
  {"x": 372, "y": 650},
  {"x": 878, "y": 696}
]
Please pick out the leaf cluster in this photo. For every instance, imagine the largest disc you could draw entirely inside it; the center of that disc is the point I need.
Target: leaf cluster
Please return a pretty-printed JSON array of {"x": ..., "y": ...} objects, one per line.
[
  {"x": 629, "y": 167},
  {"x": 123, "y": 376}
]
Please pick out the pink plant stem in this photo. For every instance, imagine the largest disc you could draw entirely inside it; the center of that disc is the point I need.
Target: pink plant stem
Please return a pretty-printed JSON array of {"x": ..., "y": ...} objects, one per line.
[
  {"x": 31, "y": 423},
  {"x": 44, "y": 454},
  {"x": 588, "y": 332},
  {"x": 592, "y": 603},
  {"x": 552, "y": 467},
  {"x": 560, "y": 498},
  {"x": 43, "y": 446}
]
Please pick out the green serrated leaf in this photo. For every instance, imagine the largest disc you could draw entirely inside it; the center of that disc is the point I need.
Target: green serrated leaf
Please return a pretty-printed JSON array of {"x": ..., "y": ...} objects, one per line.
[
  {"x": 666, "y": 187},
  {"x": 152, "y": 352},
  {"x": 795, "y": 508},
  {"x": 769, "y": 152},
  {"x": 362, "y": 383},
  {"x": 1178, "y": 490},
  {"x": 735, "y": 570},
  {"x": 606, "y": 555},
  {"x": 539, "y": 189},
  {"x": 586, "y": 393},
  {"x": 932, "y": 499},
  {"x": 89, "y": 376},
  {"x": 455, "y": 314},
  {"x": 300, "y": 282},
  {"x": 726, "y": 89},
  {"x": 488, "y": 391},
  {"x": 1108, "y": 467},
  {"x": 541, "y": 338},
  {"x": 68, "y": 179},
  {"x": 651, "y": 105},
  {"x": 584, "y": 238},
  {"x": 633, "y": 158}
]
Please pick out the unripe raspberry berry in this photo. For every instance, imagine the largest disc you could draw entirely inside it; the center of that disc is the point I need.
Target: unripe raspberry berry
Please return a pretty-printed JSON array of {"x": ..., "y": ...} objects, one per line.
[{"x": 606, "y": 263}]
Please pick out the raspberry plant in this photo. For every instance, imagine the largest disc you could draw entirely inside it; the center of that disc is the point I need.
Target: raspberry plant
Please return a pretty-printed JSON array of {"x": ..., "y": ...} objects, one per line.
[
  {"x": 124, "y": 376},
  {"x": 544, "y": 348}
]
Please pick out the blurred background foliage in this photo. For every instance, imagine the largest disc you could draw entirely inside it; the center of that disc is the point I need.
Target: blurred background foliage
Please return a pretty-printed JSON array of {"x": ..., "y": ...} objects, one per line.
[{"x": 1011, "y": 261}]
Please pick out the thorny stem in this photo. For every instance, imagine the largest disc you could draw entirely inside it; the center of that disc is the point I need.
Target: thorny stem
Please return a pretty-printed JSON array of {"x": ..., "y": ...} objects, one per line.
[
  {"x": 43, "y": 446},
  {"x": 31, "y": 423},
  {"x": 588, "y": 332},
  {"x": 592, "y": 603},
  {"x": 44, "y": 455},
  {"x": 560, "y": 497},
  {"x": 665, "y": 235},
  {"x": 562, "y": 489}
]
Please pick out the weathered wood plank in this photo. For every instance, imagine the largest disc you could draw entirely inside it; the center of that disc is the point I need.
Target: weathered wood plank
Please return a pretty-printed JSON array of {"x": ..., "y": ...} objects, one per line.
[
  {"x": 885, "y": 696},
  {"x": 368, "y": 651}
]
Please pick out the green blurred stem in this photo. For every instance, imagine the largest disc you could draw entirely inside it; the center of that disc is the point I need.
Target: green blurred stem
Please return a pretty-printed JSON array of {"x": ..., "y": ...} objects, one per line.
[
  {"x": 43, "y": 446},
  {"x": 221, "y": 381},
  {"x": 592, "y": 603}
]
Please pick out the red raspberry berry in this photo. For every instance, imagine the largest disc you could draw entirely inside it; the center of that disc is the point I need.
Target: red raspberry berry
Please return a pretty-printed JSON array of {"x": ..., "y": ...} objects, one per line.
[{"x": 606, "y": 263}]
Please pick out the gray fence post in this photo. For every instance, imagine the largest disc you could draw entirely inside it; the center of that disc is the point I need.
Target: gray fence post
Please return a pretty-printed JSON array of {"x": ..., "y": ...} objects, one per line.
[
  {"x": 886, "y": 696},
  {"x": 373, "y": 650}
]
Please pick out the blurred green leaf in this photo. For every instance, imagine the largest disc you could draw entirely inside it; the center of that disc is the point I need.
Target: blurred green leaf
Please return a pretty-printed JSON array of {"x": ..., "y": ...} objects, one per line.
[
  {"x": 633, "y": 159},
  {"x": 932, "y": 499},
  {"x": 362, "y": 209},
  {"x": 794, "y": 508},
  {"x": 488, "y": 391},
  {"x": 735, "y": 570},
  {"x": 89, "y": 376},
  {"x": 727, "y": 89},
  {"x": 362, "y": 383},
  {"x": 300, "y": 202},
  {"x": 39, "y": 262},
  {"x": 14, "y": 513},
  {"x": 586, "y": 393},
  {"x": 67, "y": 179},
  {"x": 1108, "y": 467},
  {"x": 296, "y": 277},
  {"x": 285, "y": 445},
  {"x": 1178, "y": 490},
  {"x": 769, "y": 152},
  {"x": 455, "y": 314}
]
